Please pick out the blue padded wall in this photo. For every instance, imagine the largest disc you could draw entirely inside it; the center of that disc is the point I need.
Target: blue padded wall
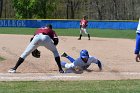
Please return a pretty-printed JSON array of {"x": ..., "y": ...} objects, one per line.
[{"x": 69, "y": 24}]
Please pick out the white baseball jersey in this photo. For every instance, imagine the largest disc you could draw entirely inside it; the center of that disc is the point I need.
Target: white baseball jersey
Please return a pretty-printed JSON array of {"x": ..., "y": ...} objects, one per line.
[{"x": 80, "y": 63}]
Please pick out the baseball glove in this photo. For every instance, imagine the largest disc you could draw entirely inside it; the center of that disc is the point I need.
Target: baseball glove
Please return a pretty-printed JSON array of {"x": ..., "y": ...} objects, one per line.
[{"x": 36, "y": 53}]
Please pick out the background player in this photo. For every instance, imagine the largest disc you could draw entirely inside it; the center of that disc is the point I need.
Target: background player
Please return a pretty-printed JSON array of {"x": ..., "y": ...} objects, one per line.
[
  {"x": 82, "y": 63},
  {"x": 43, "y": 37},
  {"x": 83, "y": 26},
  {"x": 137, "y": 48}
]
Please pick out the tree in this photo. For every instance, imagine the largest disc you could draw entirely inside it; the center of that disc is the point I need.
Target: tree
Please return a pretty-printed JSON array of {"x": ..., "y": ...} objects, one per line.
[
  {"x": 99, "y": 8},
  {"x": 72, "y": 9},
  {"x": 22, "y": 8},
  {"x": 73, "y": 6},
  {"x": 34, "y": 8},
  {"x": 1, "y": 6}
]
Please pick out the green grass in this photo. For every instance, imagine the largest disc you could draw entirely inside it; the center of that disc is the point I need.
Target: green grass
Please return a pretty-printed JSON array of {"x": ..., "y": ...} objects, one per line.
[
  {"x": 118, "y": 86},
  {"x": 1, "y": 59},
  {"x": 24, "y": 31},
  {"x": 107, "y": 33}
]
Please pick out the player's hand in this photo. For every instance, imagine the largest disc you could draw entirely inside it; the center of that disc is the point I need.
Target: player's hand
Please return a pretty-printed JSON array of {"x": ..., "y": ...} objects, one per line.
[{"x": 137, "y": 58}]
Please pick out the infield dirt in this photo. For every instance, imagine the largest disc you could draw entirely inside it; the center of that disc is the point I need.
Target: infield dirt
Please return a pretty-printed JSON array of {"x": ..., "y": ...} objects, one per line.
[{"x": 116, "y": 55}]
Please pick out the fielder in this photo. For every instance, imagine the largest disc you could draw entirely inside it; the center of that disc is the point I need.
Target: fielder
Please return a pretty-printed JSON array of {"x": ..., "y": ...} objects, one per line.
[
  {"x": 137, "y": 48},
  {"x": 81, "y": 63},
  {"x": 83, "y": 26},
  {"x": 43, "y": 37}
]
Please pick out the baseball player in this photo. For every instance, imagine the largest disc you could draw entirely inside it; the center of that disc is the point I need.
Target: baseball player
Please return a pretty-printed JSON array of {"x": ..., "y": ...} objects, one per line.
[
  {"x": 137, "y": 48},
  {"x": 46, "y": 37},
  {"x": 81, "y": 63},
  {"x": 83, "y": 26}
]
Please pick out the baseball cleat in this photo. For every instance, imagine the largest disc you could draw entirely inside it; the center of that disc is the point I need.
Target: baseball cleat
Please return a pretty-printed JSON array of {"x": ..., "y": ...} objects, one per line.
[
  {"x": 61, "y": 71},
  {"x": 64, "y": 55},
  {"x": 12, "y": 70},
  {"x": 79, "y": 38}
]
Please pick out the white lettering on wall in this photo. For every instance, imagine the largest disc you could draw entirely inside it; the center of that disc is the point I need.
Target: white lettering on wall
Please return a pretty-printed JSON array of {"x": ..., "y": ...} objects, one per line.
[{"x": 12, "y": 23}]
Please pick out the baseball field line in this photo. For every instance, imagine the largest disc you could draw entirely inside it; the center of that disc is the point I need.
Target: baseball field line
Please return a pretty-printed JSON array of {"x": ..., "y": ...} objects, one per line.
[{"x": 50, "y": 76}]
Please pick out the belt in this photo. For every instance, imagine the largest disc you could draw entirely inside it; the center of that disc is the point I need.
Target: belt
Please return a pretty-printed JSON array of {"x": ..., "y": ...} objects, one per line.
[{"x": 42, "y": 33}]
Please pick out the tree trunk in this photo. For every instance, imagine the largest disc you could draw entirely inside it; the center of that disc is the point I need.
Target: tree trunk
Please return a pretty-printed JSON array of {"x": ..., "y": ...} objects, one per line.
[
  {"x": 115, "y": 9},
  {"x": 98, "y": 9},
  {"x": 1, "y": 6}
]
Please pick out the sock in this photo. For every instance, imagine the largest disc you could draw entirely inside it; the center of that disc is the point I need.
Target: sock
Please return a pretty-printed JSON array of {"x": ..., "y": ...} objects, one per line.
[
  {"x": 80, "y": 36},
  {"x": 20, "y": 60},
  {"x": 88, "y": 36},
  {"x": 57, "y": 59},
  {"x": 99, "y": 65}
]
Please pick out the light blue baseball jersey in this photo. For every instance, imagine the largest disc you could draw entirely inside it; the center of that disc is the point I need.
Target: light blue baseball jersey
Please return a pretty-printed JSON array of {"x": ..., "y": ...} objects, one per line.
[{"x": 80, "y": 63}]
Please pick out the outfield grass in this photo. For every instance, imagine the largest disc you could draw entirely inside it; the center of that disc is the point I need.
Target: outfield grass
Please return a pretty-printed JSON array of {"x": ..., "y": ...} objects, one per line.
[
  {"x": 117, "y": 86},
  {"x": 24, "y": 31},
  {"x": 108, "y": 33}
]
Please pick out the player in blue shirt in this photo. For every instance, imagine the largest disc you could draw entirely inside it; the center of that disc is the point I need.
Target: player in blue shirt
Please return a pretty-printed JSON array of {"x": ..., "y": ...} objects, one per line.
[
  {"x": 137, "y": 48},
  {"x": 83, "y": 62}
]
